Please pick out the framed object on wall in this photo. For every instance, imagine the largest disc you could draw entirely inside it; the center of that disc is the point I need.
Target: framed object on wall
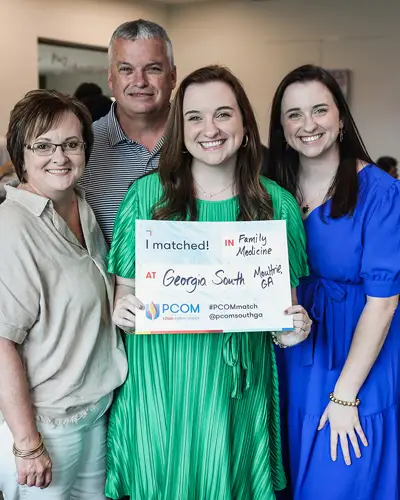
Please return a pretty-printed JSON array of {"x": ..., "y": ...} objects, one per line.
[
  {"x": 342, "y": 76},
  {"x": 63, "y": 66}
]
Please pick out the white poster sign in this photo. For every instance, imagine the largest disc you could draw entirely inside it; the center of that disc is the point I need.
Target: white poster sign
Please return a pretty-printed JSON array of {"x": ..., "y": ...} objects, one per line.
[{"x": 198, "y": 277}]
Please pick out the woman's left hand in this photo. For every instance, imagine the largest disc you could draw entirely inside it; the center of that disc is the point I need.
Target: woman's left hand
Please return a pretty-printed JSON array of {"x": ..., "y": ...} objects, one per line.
[
  {"x": 345, "y": 425},
  {"x": 301, "y": 327}
]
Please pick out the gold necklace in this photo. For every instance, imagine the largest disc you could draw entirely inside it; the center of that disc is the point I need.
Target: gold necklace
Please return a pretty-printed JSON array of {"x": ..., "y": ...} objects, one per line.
[
  {"x": 305, "y": 207},
  {"x": 211, "y": 195}
]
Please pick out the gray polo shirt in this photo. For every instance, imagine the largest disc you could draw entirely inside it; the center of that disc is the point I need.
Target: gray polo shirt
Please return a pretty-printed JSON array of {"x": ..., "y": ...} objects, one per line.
[
  {"x": 55, "y": 303},
  {"x": 115, "y": 163}
]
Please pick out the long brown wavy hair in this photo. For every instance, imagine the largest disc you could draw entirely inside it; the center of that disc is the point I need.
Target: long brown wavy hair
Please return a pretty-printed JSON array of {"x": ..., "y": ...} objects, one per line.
[{"x": 178, "y": 201}]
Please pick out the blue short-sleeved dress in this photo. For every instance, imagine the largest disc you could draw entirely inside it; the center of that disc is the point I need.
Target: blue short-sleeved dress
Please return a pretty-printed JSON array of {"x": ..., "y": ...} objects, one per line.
[{"x": 349, "y": 258}]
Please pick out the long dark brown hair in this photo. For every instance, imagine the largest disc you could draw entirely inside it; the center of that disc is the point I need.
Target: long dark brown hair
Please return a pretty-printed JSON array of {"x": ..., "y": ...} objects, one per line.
[
  {"x": 283, "y": 164},
  {"x": 178, "y": 201}
]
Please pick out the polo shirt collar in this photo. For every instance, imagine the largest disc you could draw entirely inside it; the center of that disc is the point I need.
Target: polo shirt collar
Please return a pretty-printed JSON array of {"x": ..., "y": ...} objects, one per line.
[
  {"x": 33, "y": 202},
  {"x": 115, "y": 133}
]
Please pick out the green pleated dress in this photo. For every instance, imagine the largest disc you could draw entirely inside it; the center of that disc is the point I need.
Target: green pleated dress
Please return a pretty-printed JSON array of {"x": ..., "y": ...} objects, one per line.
[{"x": 198, "y": 416}]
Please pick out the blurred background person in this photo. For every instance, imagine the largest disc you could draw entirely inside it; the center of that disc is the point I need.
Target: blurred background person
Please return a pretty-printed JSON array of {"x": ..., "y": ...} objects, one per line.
[
  {"x": 87, "y": 89},
  {"x": 4, "y": 156},
  {"x": 388, "y": 164},
  {"x": 98, "y": 106},
  {"x": 7, "y": 172},
  {"x": 93, "y": 98}
]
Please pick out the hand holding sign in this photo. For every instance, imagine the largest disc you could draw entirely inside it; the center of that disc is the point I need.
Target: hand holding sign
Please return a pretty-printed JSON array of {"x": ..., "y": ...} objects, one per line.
[
  {"x": 126, "y": 306},
  {"x": 302, "y": 327}
]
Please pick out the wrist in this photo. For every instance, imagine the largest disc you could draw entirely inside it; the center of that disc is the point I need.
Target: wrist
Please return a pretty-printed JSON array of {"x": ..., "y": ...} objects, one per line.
[
  {"x": 277, "y": 340},
  {"x": 345, "y": 393},
  {"x": 27, "y": 441}
]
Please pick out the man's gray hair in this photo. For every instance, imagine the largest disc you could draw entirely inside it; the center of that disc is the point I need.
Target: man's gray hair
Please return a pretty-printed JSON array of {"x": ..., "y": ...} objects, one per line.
[{"x": 141, "y": 29}]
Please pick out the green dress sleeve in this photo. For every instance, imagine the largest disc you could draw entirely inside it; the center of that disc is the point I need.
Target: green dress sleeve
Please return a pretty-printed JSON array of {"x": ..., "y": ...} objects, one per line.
[
  {"x": 296, "y": 238},
  {"x": 121, "y": 258}
]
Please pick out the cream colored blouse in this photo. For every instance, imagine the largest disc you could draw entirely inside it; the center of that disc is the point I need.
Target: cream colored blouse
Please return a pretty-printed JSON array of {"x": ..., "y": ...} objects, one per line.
[{"x": 56, "y": 299}]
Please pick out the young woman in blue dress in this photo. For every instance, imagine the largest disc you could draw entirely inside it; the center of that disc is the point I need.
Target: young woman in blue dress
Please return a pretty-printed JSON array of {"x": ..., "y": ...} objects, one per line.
[{"x": 340, "y": 388}]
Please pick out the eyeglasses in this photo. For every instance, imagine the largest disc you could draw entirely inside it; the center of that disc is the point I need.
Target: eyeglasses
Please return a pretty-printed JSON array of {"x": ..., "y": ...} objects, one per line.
[{"x": 48, "y": 148}]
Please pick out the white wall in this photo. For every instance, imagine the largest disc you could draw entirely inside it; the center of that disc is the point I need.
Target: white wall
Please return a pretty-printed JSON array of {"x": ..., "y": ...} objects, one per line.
[
  {"x": 262, "y": 41},
  {"x": 259, "y": 41},
  {"x": 81, "y": 21}
]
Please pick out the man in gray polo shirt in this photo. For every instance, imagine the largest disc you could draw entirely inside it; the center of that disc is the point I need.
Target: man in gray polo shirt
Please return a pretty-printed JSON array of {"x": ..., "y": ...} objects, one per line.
[{"x": 127, "y": 141}]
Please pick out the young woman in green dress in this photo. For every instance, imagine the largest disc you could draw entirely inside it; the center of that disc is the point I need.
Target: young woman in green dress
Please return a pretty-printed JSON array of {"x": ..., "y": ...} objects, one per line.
[{"x": 198, "y": 417}]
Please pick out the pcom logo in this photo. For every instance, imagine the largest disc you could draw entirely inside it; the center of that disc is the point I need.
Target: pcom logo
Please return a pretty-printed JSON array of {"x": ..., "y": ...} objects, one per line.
[
  {"x": 152, "y": 311},
  {"x": 180, "y": 308}
]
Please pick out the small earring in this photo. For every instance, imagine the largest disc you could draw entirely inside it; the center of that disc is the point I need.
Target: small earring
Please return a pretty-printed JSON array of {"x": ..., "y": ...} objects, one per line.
[
  {"x": 341, "y": 134},
  {"x": 286, "y": 146},
  {"x": 246, "y": 141}
]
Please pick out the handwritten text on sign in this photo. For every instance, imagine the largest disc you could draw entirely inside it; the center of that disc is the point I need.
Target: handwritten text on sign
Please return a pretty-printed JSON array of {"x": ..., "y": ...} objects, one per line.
[{"x": 212, "y": 276}]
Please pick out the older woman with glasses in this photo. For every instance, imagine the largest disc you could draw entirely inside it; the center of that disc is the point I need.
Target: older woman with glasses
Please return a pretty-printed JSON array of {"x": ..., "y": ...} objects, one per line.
[{"x": 60, "y": 355}]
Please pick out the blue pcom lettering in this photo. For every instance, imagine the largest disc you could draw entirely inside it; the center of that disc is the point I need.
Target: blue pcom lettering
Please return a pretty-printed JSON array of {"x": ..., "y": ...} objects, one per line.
[{"x": 181, "y": 308}]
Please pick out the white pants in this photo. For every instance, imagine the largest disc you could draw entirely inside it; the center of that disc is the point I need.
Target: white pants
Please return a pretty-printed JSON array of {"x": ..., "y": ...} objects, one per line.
[{"x": 78, "y": 453}]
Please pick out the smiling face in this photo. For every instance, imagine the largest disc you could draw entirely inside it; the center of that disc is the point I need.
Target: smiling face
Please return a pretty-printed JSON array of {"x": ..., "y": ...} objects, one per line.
[
  {"x": 140, "y": 76},
  {"x": 51, "y": 175},
  {"x": 310, "y": 118},
  {"x": 213, "y": 123}
]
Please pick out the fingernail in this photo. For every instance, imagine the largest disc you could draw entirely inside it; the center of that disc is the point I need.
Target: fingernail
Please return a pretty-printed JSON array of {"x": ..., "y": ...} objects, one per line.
[
  {"x": 286, "y": 311},
  {"x": 348, "y": 462},
  {"x": 141, "y": 307}
]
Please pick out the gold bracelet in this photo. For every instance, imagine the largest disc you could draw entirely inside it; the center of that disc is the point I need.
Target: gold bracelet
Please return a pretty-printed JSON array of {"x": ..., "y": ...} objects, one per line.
[
  {"x": 276, "y": 341},
  {"x": 31, "y": 456},
  {"x": 29, "y": 453},
  {"x": 343, "y": 403}
]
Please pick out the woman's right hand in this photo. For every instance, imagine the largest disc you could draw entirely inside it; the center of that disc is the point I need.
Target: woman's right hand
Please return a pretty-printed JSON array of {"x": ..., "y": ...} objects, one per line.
[
  {"x": 124, "y": 314},
  {"x": 35, "y": 471},
  {"x": 301, "y": 327}
]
